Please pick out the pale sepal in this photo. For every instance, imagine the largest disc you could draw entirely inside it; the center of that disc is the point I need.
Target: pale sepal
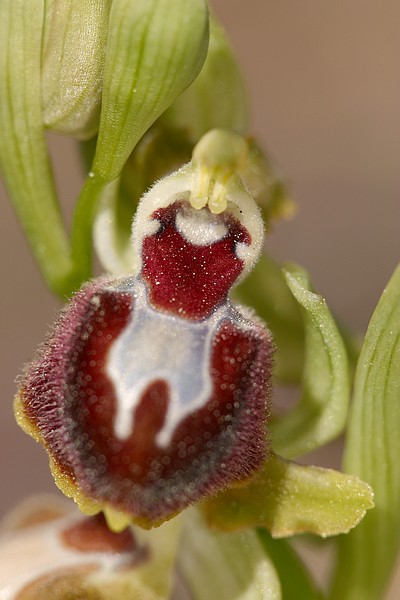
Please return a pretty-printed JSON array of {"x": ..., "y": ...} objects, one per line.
[
  {"x": 113, "y": 251},
  {"x": 41, "y": 559}
]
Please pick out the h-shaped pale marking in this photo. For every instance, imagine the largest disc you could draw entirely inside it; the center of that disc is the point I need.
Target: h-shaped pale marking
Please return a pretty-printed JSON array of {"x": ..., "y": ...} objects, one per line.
[{"x": 159, "y": 346}]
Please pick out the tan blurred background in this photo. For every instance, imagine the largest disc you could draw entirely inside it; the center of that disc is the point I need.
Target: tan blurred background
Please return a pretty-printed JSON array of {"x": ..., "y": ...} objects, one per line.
[{"x": 324, "y": 86}]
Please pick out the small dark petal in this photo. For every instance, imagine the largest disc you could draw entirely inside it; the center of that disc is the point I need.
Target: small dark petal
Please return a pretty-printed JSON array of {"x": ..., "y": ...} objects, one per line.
[{"x": 91, "y": 534}]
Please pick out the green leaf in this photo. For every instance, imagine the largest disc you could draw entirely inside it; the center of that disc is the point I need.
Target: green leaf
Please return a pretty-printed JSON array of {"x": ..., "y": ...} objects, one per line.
[
  {"x": 225, "y": 566},
  {"x": 372, "y": 450},
  {"x": 287, "y": 498},
  {"x": 296, "y": 582},
  {"x": 204, "y": 105},
  {"x": 155, "y": 50},
  {"x": 24, "y": 158},
  {"x": 74, "y": 45},
  {"x": 321, "y": 413},
  {"x": 266, "y": 290}
]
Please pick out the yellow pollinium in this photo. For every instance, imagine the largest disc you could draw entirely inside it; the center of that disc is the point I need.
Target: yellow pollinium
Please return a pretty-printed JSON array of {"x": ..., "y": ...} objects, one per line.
[{"x": 218, "y": 158}]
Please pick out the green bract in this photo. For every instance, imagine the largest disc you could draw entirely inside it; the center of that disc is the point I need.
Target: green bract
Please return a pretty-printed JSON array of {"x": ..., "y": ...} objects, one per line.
[
  {"x": 217, "y": 97},
  {"x": 155, "y": 49}
]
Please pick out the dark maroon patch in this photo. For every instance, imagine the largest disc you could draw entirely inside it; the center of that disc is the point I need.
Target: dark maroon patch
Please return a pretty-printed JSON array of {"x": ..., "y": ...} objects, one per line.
[
  {"x": 91, "y": 534},
  {"x": 44, "y": 390},
  {"x": 187, "y": 279},
  {"x": 221, "y": 443}
]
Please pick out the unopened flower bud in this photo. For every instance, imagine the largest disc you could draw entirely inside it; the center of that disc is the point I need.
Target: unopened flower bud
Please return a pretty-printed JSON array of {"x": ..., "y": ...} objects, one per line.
[{"x": 74, "y": 47}]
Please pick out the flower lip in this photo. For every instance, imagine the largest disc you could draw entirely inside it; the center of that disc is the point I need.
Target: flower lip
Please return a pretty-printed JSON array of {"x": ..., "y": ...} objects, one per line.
[{"x": 69, "y": 403}]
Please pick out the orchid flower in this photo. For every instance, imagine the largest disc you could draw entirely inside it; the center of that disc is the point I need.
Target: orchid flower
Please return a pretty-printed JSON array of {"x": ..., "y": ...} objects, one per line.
[{"x": 153, "y": 393}]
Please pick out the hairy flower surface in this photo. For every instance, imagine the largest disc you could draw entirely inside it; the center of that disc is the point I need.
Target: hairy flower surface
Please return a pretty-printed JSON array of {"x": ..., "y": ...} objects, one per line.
[{"x": 152, "y": 391}]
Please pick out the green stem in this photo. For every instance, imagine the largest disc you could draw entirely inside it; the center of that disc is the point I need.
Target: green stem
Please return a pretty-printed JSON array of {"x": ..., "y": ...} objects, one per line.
[{"x": 82, "y": 225}]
